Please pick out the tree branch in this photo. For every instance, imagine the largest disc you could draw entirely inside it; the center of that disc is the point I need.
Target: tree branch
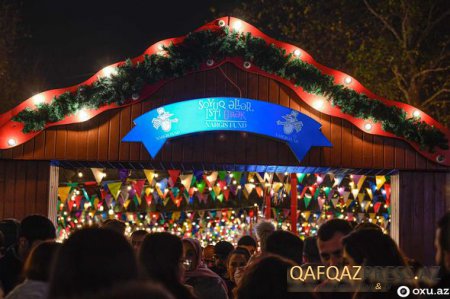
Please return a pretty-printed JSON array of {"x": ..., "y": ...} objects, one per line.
[
  {"x": 401, "y": 83},
  {"x": 384, "y": 21},
  {"x": 430, "y": 100},
  {"x": 431, "y": 24},
  {"x": 427, "y": 71}
]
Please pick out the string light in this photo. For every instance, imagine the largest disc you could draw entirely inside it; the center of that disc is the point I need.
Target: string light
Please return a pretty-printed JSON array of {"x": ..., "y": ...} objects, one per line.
[
  {"x": 109, "y": 71},
  {"x": 416, "y": 113},
  {"x": 319, "y": 104},
  {"x": 237, "y": 26},
  {"x": 80, "y": 174},
  {"x": 12, "y": 142},
  {"x": 38, "y": 99},
  {"x": 297, "y": 52},
  {"x": 348, "y": 80},
  {"x": 368, "y": 126},
  {"x": 83, "y": 115}
]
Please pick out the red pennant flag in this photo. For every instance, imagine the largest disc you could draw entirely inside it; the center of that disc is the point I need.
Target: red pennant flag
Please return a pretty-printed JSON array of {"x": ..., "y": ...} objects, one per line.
[
  {"x": 174, "y": 174},
  {"x": 387, "y": 188},
  {"x": 376, "y": 207},
  {"x": 205, "y": 179},
  {"x": 148, "y": 199},
  {"x": 138, "y": 186},
  {"x": 103, "y": 193},
  {"x": 226, "y": 193},
  {"x": 78, "y": 199},
  {"x": 222, "y": 184}
]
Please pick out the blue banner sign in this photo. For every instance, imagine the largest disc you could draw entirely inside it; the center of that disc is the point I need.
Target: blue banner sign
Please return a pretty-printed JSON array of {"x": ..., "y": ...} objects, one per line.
[{"x": 298, "y": 130}]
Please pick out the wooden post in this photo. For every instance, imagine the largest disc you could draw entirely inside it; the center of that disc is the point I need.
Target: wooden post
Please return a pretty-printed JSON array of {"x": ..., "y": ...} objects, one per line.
[
  {"x": 294, "y": 203},
  {"x": 267, "y": 211},
  {"x": 53, "y": 193}
]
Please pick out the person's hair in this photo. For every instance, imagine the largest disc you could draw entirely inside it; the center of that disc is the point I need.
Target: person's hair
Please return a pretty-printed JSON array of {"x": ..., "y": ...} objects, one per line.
[
  {"x": 132, "y": 290},
  {"x": 285, "y": 244},
  {"x": 247, "y": 241},
  {"x": 310, "y": 250},
  {"x": 240, "y": 250},
  {"x": 114, "y": 225},
  {"x": 10, "y": 230},
  {"x": 160, "y": 257},
  {"x": 139, "y": 233},
  {"x": 263, "y": 230},
  {"x": 370, "y": 247},
  {"x": 39, "y": 263},
  {"x": 37, "y": 227},
  {"x": 367, "y": 225},
  {"x": 265, "y": 278},
  {"x": 328, "y": 229},
  {"x": 92, "y": 259},
  {"x": 222, "y": 249},
  {"x": 444, "y": 226}
]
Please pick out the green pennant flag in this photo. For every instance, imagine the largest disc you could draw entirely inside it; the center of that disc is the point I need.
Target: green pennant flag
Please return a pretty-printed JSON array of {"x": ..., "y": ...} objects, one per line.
[
  {"x": 307, "y": 200},
  {"x": 316, "y": 194},
  {"x": 213, "y": 194},
  {"x": 300, "y": 177},
  {"x": 327, "y": 191},
  {"x": 237, "y": 176},
  {"x": 220, "y": 197},
  {"x": 222, "y": 175},
  {"x": 201, "y": 186},
  {"x": 136, "y": 201},
  {"x": 194, "y": 180},
  {"x": 175, "y": 191}
]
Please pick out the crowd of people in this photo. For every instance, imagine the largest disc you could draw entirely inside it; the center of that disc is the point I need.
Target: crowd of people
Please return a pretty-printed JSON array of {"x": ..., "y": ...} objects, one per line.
[{"x": 100, "y": 262}]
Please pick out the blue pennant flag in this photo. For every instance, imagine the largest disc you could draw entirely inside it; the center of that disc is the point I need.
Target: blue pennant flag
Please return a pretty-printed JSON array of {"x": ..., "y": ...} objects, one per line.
[{"x": 298, "y": 130}]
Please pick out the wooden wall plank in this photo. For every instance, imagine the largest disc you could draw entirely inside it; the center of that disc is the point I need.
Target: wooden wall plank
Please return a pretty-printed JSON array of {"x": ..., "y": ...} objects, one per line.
[
  {"x": 10, "y": 188},
  {"x": 100, "y": 139},
  {"x": 19, "y": 194}
]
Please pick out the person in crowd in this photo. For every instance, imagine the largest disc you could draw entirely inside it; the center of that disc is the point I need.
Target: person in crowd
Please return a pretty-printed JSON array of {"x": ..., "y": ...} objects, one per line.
[
  {"x": 248, "y": 243},
  {"x": 206, "y": 283},
  {"x": 442, "y": 244},
  {"x": 114, "y": 225},
  {"x": 10, "y": 229},
  {"x": 363, "y": 248},
  {"x": 263, "y": 230},
  {"x": 221, "y": 251},
  {"x": 208, "y": 255},
  {"x": 37, "y": 272},
  {"x": 329, "y": 241},
  {"x": 237, "y": 260},
  {"x": 133, "y": 290},
  {"x": 285, "y": 244},
  {"x": 310, "y": 251},
  {"x": 265, "y": 278},
  {"x": 161, "y": 256},
  {"x": 91, "y": 260},
  {"x": 136, "y": 239},
  {"x": 2, "y": 245},
  {"x": 33, "y": 230},
  {"x": 367, "y": 225}
]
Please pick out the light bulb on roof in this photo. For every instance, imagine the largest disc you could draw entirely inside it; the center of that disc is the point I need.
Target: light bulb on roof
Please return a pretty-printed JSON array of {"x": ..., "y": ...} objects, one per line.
[
  {"x": 368, "y": 127},
  {"x": 38, "y": 99},
  {"x": 83, "y": 115},
  {"x": 109, "y": 71},
  {"x": 318, "y": 104},
  {"x": 348, "y": 80},
  {"x": 12, "y": 142},
  {"x": 416, "y": 113},
  {"x": 297, "y": 53},
  {"x": 237, "y": 25}
]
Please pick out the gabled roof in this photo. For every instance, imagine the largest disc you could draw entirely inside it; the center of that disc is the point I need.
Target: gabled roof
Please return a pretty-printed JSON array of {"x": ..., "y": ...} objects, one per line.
[{"x": 12, "y": 131}]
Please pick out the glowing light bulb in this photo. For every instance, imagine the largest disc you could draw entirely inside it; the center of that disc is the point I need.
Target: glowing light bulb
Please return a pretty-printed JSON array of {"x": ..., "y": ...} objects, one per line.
[
  {"x": 109, "y": 71},
  {"x": 237, "y": 25},
  {"x": 12, "y": 142},
  {"x": 368, "y": 127},
  {"x": 83, "y": 115},
  {"x": 297, "y": 52},
  {"x": 318, "y": 104},
  {"x": 128, "y": 188},
  {"x": 38, "y": 99},
  {"x": 348, "y": 80},
  {"x": 416, "y": 113},
  {"x": 156, "y": 175},
  {"x": 80, "y": 174}
]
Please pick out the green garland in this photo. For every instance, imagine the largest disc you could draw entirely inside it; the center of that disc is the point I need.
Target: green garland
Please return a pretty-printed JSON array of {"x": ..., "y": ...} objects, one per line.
[{"x": 200, "y": 46}]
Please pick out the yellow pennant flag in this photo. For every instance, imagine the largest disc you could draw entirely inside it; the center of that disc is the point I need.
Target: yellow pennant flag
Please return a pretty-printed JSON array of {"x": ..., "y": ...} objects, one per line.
[
  {"x": 176, "y": 216},
  {"x": 114, "y": 189},
  {"x": 369, "y": 191},
  {"x": 63, "y": 193},
  {"x": 360, "y": 197},
  {"x": 98, "y": 174},
  {"x": 380, "y": 180},
  {"x": 148, "y": 190},
  {"x": 306, "y": 214},
  {"x": 277, "y": 186},
  {"x": 249, "y": 188},
  {"x": 287, "y": 188},
  {"x": 126, "y": 203},
  {"x": 355, "y": 193},
  {"x": 149, "y": 174},
  {"x": 186, "y": 180},
  {"x": 361, "y": 182}
]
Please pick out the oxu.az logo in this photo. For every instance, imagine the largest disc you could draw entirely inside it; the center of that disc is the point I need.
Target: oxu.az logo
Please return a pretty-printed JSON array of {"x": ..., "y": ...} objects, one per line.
[
  {"x": 163, "y": 120},
  {"x": 291, "y": 123}
]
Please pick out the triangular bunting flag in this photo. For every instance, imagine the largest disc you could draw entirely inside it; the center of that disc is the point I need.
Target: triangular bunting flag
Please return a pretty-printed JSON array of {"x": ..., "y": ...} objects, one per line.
[
  {"x": 63, "y": 193},
  {"x": 149, "y": 174},
  {"x": 114, "y": 189}
]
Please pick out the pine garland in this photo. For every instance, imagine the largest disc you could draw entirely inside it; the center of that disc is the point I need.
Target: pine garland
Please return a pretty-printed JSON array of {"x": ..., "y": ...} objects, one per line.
[{"x": 200, "y": 46}]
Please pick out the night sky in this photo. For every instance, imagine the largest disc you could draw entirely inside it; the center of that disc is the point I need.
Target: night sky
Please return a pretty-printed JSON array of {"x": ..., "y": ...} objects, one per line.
[{"x": 71, "y": 40}]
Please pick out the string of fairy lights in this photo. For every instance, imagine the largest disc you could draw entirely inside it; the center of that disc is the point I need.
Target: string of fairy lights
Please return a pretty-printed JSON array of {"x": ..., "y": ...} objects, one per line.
[{"x": 216, "y": 205}]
